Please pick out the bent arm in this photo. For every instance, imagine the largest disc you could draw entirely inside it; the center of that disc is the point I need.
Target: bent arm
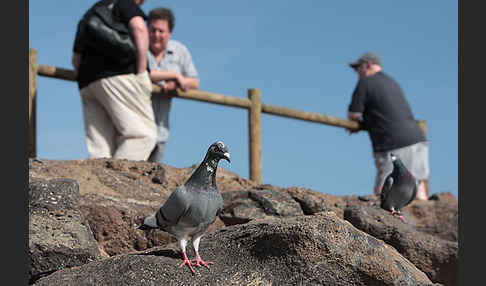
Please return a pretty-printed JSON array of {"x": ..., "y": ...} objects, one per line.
[
  {"x": 354, "y": 116},
  {"x": 160, "y": 75},
  {"x": 140, "y": 36},
  {"x": 76, "y": 61}
]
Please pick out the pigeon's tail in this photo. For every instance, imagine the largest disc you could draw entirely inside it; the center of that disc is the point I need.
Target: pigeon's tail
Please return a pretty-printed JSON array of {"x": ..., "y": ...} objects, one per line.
[{"x": 149, "y": 223}]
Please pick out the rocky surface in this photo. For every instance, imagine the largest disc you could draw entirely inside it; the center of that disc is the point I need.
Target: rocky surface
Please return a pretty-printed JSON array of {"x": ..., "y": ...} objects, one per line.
[
  {"x": 302, "y": 250},
  {"x": 59, "y": 237},
  {"x": 435, "y": 256},
  {"x": 115, "y": 195}
]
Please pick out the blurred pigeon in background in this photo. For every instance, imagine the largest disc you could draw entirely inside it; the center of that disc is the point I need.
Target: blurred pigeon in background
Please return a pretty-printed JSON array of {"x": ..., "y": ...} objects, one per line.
[
  {"x": 399, "y": 188},
  {"x": 192, "y": 206}
]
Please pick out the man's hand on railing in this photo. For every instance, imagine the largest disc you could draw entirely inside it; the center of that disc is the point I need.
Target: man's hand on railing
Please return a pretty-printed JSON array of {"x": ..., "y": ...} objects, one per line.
[
  {"x": 182, "y": 82},
  {"x": 168, "y": 86},
  {"x": 353, "y": 130}
]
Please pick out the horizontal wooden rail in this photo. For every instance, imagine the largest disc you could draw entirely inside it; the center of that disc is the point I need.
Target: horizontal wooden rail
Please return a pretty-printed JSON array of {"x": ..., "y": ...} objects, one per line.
[
  {"x": 56, "y": 72},
  {"x": 309, "y": 116},
  {"x": 227, "y": 100}
]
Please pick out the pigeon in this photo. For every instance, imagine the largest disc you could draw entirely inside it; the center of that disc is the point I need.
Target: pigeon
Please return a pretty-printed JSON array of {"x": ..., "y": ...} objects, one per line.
[
  {"x": 192, "y": 206},
  {"x": 399, "y": 189}
]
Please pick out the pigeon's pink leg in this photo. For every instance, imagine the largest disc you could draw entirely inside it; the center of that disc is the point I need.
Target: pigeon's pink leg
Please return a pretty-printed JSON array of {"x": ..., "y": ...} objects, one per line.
[
  {"x": 395, "y": 213},
  {"x": 186, "y": 261},
  {"x": 198, "y": 261}
]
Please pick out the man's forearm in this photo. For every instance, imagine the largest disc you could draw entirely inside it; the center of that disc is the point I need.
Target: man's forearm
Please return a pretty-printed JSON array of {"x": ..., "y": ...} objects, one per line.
[{"x": 160, "y": 75}]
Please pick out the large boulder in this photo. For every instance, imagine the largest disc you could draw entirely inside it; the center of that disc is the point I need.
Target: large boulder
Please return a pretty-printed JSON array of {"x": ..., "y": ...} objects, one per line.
[
  {"x": 304, "y": 250},
  {"x": 435, "y": 256},
  {"x": 59, "y": 236}
]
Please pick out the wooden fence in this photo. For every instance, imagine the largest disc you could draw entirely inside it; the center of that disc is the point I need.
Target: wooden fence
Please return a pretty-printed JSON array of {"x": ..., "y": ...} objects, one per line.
[{"x": 253, "y": 104}]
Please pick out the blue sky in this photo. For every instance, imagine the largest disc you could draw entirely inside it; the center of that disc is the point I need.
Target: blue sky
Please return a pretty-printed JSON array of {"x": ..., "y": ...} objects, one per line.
[{"x": 296, "y": 53}]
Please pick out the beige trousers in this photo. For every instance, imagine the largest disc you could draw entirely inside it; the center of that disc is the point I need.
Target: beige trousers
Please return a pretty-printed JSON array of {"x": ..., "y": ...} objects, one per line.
[{"x": 118, "y": 117}]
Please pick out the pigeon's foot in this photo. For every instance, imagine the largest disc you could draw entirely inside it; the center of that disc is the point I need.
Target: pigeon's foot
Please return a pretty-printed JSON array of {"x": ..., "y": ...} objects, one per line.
[
  {"x": 188, "y": 262},
  {"x": 395, "y": 213},
  {"x": 199, "y": 262}
]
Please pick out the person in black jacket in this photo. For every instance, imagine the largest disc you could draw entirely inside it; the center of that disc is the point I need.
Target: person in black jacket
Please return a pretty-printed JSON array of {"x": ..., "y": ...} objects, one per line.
[
  {"x": 379, "y": 105},
  {"x": 116, "y": 92}
]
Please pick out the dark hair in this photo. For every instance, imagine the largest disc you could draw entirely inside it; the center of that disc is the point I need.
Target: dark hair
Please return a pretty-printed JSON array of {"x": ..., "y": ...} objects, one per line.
[{"x": 162, "y": 14}]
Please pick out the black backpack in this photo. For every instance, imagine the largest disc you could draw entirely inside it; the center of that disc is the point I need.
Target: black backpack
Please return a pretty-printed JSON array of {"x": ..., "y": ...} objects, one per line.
[{"x": 103, "y": 32}]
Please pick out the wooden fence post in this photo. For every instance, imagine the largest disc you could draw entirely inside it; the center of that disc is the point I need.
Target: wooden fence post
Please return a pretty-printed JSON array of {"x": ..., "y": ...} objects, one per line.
[
  {"x": 423, "y": 126},
  {"x": 255, "y": 135},
  {"x": 32, "y": 152}
]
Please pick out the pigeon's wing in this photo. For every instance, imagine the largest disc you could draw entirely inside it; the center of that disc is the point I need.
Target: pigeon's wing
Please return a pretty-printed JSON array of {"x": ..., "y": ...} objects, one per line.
[
  {"x": 387, "y": 186},
  {"x": 414, "y": 192},
  {"x": 175, "y": 207},
  {"x": 219, "y": 205}
]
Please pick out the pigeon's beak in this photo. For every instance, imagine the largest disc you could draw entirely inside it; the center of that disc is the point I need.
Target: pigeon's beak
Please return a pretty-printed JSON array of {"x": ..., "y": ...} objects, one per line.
[{"x": 226, "y": 156}]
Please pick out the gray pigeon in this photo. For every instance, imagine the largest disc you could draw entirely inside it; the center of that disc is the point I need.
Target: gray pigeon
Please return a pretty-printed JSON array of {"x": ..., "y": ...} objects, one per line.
[
  {"x": 399, "y": 189},
  {"x": 192, "y": 206}
]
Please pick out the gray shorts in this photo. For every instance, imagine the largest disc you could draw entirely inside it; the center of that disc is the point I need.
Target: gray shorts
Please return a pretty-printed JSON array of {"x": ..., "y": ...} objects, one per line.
[{"x": 415, "y": 157}]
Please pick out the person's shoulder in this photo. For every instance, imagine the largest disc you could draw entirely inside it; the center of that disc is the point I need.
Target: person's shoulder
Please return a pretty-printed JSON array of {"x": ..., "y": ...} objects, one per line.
[
  {"x": 176, "y": 45},
  {"x": 128, "y": 9},
  {"x": 377, "y": 77}
]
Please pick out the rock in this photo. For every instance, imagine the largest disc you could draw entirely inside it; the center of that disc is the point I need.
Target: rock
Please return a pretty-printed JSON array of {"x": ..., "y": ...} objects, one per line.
[
  {"x": 436, "y": 257},
  {"x": 239, "y": 208},
  {"x": 310, "y": 202},
  {"x": 438, "y": 216},
  {"x": 244, "y": 206},
  {"x": 303, "y": 250},
  {"x": 275, "y": 203},
  {"x": 59, "y": 237}
]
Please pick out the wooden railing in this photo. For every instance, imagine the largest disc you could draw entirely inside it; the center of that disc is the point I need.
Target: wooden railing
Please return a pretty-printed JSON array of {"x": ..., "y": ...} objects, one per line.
[{"x": 253, "y": 104}]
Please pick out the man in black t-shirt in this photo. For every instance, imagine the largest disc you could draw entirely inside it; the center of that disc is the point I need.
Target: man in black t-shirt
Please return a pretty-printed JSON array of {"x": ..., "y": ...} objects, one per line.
[
  {"x": 116, "y": 92},
  {"x": 379, "y": 104}
]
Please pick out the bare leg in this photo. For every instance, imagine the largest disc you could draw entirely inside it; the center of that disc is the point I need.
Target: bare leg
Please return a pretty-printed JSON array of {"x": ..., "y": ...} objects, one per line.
[
  {"x": 421, "y": 192},
  {"x": 377, "y": 191}
]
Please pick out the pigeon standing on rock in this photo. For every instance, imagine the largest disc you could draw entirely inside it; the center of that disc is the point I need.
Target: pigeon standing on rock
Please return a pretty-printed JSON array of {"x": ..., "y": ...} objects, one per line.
[
  {"x": 399, "y": 189},
  {"x": 192, "y": 206}
]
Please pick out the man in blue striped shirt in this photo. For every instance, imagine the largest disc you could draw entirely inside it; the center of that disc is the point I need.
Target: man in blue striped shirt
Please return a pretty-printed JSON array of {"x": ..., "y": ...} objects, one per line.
[{"x": 171, "y": 67}]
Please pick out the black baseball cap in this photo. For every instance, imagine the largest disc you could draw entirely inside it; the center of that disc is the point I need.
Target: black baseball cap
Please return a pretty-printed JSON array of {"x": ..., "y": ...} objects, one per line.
[{"x": 366, "y": 57}]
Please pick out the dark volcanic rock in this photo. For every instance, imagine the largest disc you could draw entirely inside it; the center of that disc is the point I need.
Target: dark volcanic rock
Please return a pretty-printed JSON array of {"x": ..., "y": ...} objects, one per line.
[
  {"x": 115, "y": 196},
  {"x": 302, "y": 250},
  {"x": 310, "y": 202},
  {"x": 58, "y": 234},
  {"x": 244, "y": 206},
  {"x": 437, "y": 257},
  {"x": 438, "y": 216}
]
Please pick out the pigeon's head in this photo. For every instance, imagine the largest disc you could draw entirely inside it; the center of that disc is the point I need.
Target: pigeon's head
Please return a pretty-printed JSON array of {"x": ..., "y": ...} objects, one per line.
[
  {"x": 393, "y": 157},
  {"x": 219, "y": 150}
]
